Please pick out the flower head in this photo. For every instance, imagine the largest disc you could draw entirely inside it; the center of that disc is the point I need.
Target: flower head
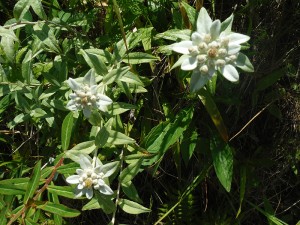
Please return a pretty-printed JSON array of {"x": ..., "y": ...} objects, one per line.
[
  {"x": 91, "y": 177},
  {"x": 212, "y": 47},
  {"x": 86, "y": 96}
]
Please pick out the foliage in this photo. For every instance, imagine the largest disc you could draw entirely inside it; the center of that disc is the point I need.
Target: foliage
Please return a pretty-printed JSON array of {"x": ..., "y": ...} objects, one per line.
[{"x": 94, "y": 88}]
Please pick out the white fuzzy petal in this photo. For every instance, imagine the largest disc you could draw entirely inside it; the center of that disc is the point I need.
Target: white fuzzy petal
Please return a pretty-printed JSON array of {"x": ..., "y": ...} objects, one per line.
[
  {"x": 189, "y": 63},
  {"x": 78, "y": 193},
  {"x": 80, "y": 186},
  {"x": 182, "y": 47},
  {"x": 72, "y": 105},
  {"x": 236, "y": 38},
  {"x": 89, "y": 193},
  {"x": 85, "y": 162},
  {"x": 196, "y": 38},
  {"x": 87, "y": 112},
  {"x": 73, "y": 84},
  {"x": 89, "y": 79},
  {"x": 198, "y": 81},
  {"x": 109, "y": 168},
  {"x": 79, "y": 171},
  {"x": 215, "y": 29},
  {"x": 73, "y": 179},
  {"x": 106, "y": 190},
  {"x": 103, "y": 99},
  {"x": 230, "y": 73},
  {"x": 233, "y": 48},
  {"x": 203, "y": 22}
]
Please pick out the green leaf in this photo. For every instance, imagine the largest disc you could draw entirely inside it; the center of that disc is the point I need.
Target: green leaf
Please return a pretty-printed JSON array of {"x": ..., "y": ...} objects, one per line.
[
  {"x": 8, "y": 33},
  {"x": 19, "y": 183},
  {"x": 132, "y": 207},
  {"x": 21, "y": 7},
  {"x": 244, "y": 63},
  {"x": 270, "y": 79},
  {"x": 33, "y": 183},
  {"x": 130, "y": 171},
  {"x": 175, "y": 35},
  {"x": 190, "y": 12},
  {"x": 117, "y": 108},
  {"x": 223, "y": 162},
  {"x": 111, "y": 137},
  {"x": 8, "y": 189},
  {"x": 66, "y": 131},
  {"x": 227, "y": 24},
  {"x": 59, "y": 209},
  {"x": 69, "y": 168},
  {"x": 166, "y": 134},
  {"x": 131, "y": 78},
  {"x": 188, "y": 144},
  {"x": 86, "y": 147},
  {"x": 243, "y": 176},
  {"x": 27, "y": 67},
  {"x": 95, "y": 62},
  {"x": 214, "y": 113},
  {"x": 93, "y": 204},
  {"x": 105, "y": 203},
  {"x": 38, "y": 9},
  {"x": 131, "y": 192},
  {"x": 139, "y": 57},
  {"x": 65, "y": 191},
  {"x": 101, "y": 137},
  {"x": 115, "y": 74}
]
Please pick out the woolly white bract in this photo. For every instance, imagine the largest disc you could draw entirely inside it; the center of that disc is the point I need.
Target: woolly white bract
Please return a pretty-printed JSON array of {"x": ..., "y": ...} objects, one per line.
[
  {"x": 212, "y": 47},
  {"x": 86, "y": 96}
]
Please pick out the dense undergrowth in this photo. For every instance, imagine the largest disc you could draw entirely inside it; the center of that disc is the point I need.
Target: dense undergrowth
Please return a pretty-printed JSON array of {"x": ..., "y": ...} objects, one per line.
[{"x": 261, "y": 112}]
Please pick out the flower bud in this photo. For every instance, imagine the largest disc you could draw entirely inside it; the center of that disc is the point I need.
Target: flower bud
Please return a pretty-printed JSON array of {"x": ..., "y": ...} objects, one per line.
[{"x": 204, "y": 69}]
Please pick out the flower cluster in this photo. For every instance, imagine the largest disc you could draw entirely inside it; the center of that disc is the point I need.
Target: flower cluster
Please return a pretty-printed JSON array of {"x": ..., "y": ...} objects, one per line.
[
  {"x": 91, "y": 177},
  {"x": 212, "y": 47},
  {"x": 86, "y": 96}
]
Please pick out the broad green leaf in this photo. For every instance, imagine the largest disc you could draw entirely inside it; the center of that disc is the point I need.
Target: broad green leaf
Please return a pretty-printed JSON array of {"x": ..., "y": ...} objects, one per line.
[
  {"x": 19, "y": 183},
  {"x": 190, "y": 12},
  {"x": 115, "y": 74},
  {"x": 214, "y": 113},
  {"x": 86, "y": 147},
  {"x": 175, "y": 35},
  {"x": 132, "y": 207},
  {"x": 227, "y": 24},
  {"x": 95, "y": 62},
  {"x": 130, "y": 171},
  {"x": 270, "y": 79},
  {"x": 139, "y": 57},
  {"x": 21, "y": 7},
  {"x": 166, "y": 134},
  {"x": 46, "y": 35},
  {"x": 66, "y": 131},
  {"x": 8, "y": 33},
  {"x": 244, "y": 63},
  {"x": 59, "y": 209},
  {"x": 27, "y": 67},
  {"x": 29, "y": 221},
  {"x": 8, "y": 189},
  {"x": 69, "y": 168},
  {"x": 117, "y": 108},
  {"x": 223, "y": 162},
  {"x": 33, "y": 183},
  {"x": 38, "y": 113},
  {"x": 105, "y": 203},
  {"x": 8, "y": 46},
  {"x": 101, "y": 137},
  {"x": 65, "y": 191},
  {"x": 93, "y": 204},
  {"x": 131, "y": 192},
  {"x": 38, "y": 9},
  {"x": 3, "y": 220},
  {"x": 131, "y": 78}
]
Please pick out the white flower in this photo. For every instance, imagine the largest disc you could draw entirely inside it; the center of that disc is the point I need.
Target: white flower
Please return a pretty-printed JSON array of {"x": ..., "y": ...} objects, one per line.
[
  {"x": 91, "y": 177},
  {"x": 86, "y": 97},
  {"x": 212, "y": 47}
]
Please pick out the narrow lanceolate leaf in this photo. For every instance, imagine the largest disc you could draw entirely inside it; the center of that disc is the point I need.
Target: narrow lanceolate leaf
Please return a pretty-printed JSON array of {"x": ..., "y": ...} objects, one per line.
[
  {"x": 8, "y": 33},
  {"x": 139, "y": 57},
  {"x": 214, "y": 113},
  {"x": 7, "y": 189},
  {"x": 66, "y": 131},
  {"x": 38, "y": 9},
  {"x": 130, "y": 171},
  {"x": 223, "y": 162},
  {"x": 65, "y": 191},
  {"x": 18, "y": 183},
  {"x": 95, "y": 62},
  {"x": 33, "y": 183},
  {"x": 21, "y": 7},
  {"x": 59, "y": 209},
  {"x": 132, "y": 207}
]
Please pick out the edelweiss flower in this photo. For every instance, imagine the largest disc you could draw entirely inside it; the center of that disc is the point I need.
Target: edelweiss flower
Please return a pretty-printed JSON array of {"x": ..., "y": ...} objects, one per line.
[
  {"x": 90, "y": 177},
  {"x": 212, "y": 47},
  {"x": 86, "y": 97}
]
